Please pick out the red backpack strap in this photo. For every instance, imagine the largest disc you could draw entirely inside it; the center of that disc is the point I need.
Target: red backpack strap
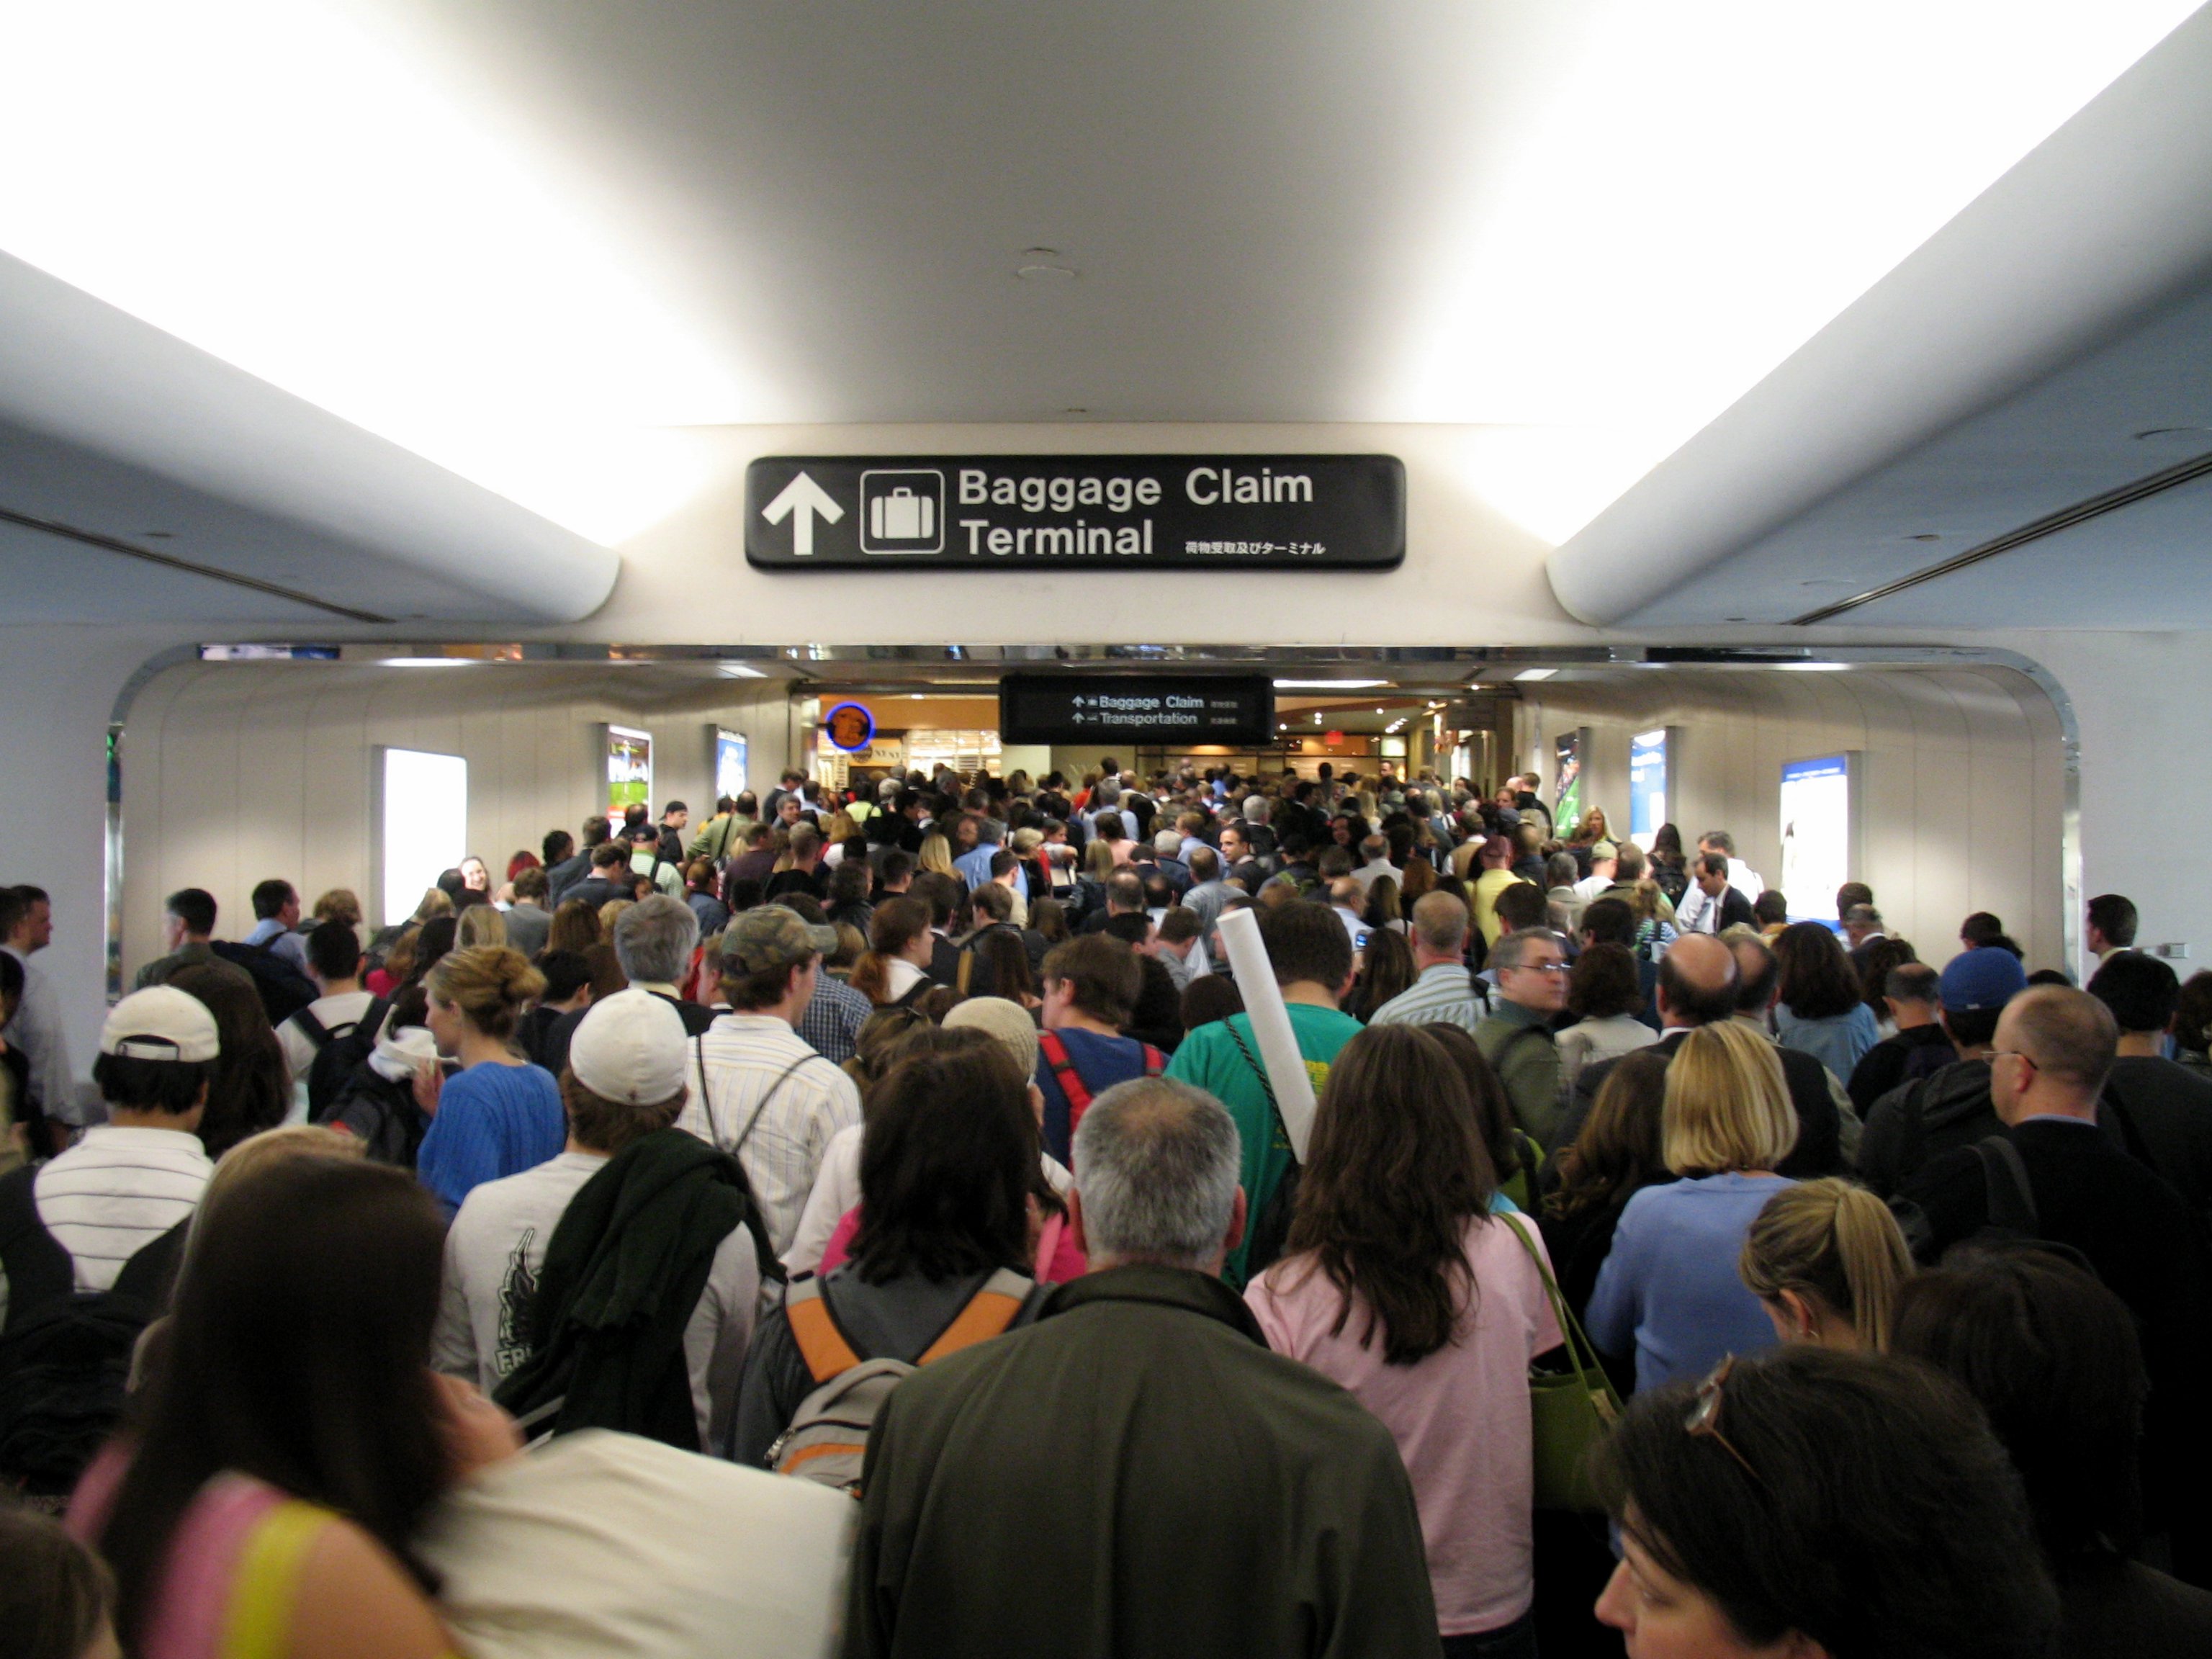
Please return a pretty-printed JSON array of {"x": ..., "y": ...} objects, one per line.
[
  {"x": 1064, "y": 1073},
  {"x": 1155, "y": 1061}
]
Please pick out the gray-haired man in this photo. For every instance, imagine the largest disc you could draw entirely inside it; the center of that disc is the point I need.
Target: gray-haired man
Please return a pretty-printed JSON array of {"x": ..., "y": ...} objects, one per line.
[{"x": 1143, "y": 1405}]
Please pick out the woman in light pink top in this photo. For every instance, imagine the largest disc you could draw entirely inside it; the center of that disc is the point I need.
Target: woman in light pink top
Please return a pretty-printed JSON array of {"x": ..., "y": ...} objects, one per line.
[{"x": 1403, "y": 1286}]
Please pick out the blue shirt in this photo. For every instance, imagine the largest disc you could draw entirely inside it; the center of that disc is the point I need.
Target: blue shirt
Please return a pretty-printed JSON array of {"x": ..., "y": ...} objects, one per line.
[
  {"x": 493, "y": 1120},
  {"x": 1838, "y": 1041},
  {"x": 1101, "y": 1062},
  {"x": 974, "y": 868},
  {"x": 1670, "y": 1290}
]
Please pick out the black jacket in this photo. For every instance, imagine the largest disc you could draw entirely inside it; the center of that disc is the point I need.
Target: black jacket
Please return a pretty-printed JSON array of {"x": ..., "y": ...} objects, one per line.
[
  {"x": 2163, "y": 1113},
  {"x": 1925, "y": 1118},
  {"x": 1896, "y": 1061},
  {"x": 2141, "y": 1240}
]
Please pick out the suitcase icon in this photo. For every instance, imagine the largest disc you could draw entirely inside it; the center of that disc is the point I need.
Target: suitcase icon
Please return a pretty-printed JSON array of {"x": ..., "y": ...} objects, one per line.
[
  {"x": 902, "y": 510},
  {"x": 901, "y": 516}
]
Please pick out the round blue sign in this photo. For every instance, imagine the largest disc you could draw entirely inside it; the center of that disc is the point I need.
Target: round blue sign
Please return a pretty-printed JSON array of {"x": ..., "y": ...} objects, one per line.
[{"x": 851, "y": 728}]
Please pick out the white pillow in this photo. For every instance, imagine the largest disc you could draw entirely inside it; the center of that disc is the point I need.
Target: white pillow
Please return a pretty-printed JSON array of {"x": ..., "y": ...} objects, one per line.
[{"x": 602, "y": 1545}]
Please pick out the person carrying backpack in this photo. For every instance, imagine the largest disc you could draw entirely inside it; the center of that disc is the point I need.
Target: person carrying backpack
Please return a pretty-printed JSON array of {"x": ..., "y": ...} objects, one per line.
[
  {"x": 1091, "y": 984},
  {"x": 90, "y": 1241},
  {"x": 376, "y": 1102},
  {"x": 941, "y": 1260},
  {"x": 326, "y": 1040},
  {"x": 613, "y": 1286}
]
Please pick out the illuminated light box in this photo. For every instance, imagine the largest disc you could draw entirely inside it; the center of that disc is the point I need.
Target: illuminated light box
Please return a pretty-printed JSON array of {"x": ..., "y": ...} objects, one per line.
[
  {"x": 1819, "y": 833},
  {"x": 421, "y": 820}
]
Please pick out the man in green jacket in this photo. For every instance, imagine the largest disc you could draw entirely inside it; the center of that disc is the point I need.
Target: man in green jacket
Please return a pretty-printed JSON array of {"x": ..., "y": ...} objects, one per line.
[
  {"x": 1135, "y": 1476},
  {"x": 1312, "y": 955},
  {"x": 1531, "y": 964}
]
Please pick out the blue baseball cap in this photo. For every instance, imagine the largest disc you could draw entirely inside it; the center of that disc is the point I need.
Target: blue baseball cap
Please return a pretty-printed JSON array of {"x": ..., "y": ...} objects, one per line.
[{"x": 1987, "y": 978}]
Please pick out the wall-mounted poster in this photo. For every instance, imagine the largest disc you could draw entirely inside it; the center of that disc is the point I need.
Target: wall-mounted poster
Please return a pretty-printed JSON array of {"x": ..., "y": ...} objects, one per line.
[
  {"x": 629, "y": 771},
  {"x": 421, "y": 823},
  {"x": 1647, "y": 786},
  {"x": 1819, "y": 839},
  {"x": 1567, "y": 751},
  {"x": 730, "y": 750}
]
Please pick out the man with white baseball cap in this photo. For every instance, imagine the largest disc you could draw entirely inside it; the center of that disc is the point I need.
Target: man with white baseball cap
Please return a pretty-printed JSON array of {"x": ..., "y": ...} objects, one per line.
[
  {"x": 623, "y": 1089},
  {"x": 112, "y": 1210}
]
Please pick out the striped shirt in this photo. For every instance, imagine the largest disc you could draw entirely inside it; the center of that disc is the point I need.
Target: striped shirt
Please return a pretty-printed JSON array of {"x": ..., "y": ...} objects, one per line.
[
  {"x": 760, "y": 1072},
  {"x": 1441, "y": 996},
  {"x": 114, "y": 1192}
]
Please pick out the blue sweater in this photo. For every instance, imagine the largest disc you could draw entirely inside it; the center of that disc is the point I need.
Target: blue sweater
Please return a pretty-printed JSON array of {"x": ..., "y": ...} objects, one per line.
[
  {"x": 493, "y": 1120},
  {"x": 1669, "y": 1289}
]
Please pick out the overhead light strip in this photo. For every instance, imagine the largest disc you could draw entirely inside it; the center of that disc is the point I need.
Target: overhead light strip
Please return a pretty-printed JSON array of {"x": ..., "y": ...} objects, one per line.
[
  {"x": 2065, "y": 519},
  {"x": 109, "y": 543}
]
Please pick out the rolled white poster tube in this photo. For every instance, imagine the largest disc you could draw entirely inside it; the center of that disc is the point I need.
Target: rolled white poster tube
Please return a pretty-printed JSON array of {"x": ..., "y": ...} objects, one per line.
[{"x": 1271, "y": 1024}]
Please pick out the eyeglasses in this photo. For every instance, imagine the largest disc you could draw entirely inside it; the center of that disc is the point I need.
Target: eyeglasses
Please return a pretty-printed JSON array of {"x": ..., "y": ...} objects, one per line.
[
  {"x": 2028, "y": 1060},
  {"x": 1538, "y": 967},
  {"x": 1705, "y": 1415}
]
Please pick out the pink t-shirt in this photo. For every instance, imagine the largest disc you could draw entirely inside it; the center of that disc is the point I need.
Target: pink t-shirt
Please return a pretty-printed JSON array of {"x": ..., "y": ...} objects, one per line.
[{"x": 1460, "y": 1417}]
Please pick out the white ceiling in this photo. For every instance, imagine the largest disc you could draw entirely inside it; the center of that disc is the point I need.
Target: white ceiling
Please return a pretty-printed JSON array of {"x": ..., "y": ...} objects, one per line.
[
  {"x": 523, "y": 238},
  {"x": 528, "y": 241},
  {"x": 2051, "y": 344}
]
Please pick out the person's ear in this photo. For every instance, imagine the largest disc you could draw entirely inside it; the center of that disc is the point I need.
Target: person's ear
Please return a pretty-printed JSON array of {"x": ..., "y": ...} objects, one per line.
[
  {"x": 1236, "y": 1233},
  {"x": 1802, "y": 1316}
]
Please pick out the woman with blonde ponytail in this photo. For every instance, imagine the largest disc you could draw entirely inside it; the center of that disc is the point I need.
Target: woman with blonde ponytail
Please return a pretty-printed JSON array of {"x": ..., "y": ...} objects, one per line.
[
  {"x": 498, "y": 1115},
  {"x": 1825, "y": 1260}
]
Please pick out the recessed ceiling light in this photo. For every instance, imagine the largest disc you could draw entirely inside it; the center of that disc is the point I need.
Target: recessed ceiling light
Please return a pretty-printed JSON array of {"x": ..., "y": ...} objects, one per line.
[
  {"x": 1328, "y": 685},
  {"x": 1813, "y": 667},
  {"x": 738, "y": 670},
  {"x": 1045, "y": 274},
  {"x": 1535, "y": 673},
  {"x": 918, "y": 697},
  {"x": 426, "y": 662}
]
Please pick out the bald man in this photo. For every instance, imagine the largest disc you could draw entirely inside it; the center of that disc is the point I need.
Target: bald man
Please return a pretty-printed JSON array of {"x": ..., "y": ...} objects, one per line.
[{"x": 2053, "y": 1050}]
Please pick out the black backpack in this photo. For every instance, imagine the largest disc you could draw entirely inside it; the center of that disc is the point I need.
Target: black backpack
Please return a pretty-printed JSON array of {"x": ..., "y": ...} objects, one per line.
[
  {"x": 65, "y": 1353},
  {"x": 380, "y": 1114},
  {"x": 339, "y": 1051},
  {"x": 284, "y": 990}
]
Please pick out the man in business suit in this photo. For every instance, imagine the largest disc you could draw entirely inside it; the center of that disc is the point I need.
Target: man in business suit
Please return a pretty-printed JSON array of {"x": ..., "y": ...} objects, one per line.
[{"x": 2048, "y": 1064}]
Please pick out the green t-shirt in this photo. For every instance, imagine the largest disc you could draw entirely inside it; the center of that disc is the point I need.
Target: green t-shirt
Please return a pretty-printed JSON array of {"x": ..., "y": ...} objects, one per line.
[{"x": 1209, "y": 1058}]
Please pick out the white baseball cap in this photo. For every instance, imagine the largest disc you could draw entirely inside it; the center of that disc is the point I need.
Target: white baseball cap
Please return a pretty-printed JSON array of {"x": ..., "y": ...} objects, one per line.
[
  {"x": 629, "y": 1048},
  {"x": 160, "y": 1023}
]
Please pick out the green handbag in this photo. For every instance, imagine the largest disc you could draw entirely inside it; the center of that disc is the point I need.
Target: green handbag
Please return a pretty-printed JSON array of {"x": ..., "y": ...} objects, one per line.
[{"x": 1570, "y": 1412}]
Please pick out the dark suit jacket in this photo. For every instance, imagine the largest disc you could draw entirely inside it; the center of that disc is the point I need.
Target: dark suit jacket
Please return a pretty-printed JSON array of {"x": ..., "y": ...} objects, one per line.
[{"x": 1820, "y": 1148}]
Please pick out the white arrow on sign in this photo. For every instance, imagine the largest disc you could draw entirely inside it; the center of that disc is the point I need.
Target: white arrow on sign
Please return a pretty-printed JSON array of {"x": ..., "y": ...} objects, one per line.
[{"x": 806, "y": 498}]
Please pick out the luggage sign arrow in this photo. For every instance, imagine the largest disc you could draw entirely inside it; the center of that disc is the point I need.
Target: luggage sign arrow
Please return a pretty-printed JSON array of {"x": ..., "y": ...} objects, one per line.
[{"x": 804, "y": 498}]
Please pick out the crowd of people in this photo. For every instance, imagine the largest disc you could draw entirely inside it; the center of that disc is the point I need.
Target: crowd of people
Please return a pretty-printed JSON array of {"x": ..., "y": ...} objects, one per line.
[{"x": 907, "y": 1218}]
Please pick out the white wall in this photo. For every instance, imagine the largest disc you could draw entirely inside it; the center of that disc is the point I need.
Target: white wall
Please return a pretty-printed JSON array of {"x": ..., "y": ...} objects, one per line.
[
  {"x": 238, "y": 772},
  {"x": 1962, "y": 782}
]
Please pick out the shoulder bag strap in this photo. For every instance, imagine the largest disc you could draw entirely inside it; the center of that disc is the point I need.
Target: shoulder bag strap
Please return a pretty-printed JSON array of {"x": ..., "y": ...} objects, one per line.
[
  {"x": 783, "y": 1077},
  {"x": 311, "y": 1028},
  {"x": 2011, "y": 1198},
  {"x": 705, "y": 1089},
  {"x": 1155, "y": 1061},
  {"x": 1582, "y": 1353},
  {"x": 1260, "y": 1071}
]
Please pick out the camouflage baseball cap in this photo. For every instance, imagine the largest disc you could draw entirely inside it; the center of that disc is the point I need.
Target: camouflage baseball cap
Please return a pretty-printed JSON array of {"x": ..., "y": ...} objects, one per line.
[{"x": 769, "y": 936}]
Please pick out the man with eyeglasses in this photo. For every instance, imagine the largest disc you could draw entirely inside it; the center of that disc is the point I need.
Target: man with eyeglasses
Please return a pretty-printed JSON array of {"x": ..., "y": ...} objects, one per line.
[{"x": 1531, "y": 964}]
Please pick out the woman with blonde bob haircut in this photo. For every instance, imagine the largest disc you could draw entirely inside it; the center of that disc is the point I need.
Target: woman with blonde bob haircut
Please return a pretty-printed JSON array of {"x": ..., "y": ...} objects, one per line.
[
  {"x": 1669, "y": 1291},
  {"x": 1727, "y": 1104},
  {"x": 1827, "y": 1259}
]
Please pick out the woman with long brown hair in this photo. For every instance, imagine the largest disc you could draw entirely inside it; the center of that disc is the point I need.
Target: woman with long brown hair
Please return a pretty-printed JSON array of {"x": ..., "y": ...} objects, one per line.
[
  {"x": 894, "y": 971},
  {"x": 1615, "y": 1156},
  {"x": 1403, "y": 1286}
]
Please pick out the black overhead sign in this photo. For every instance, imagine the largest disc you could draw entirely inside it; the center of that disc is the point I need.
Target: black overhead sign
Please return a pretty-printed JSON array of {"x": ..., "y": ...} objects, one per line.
[
  {"x": 1084, "y": 708},
  {"x": 1075, "y": 512}
]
